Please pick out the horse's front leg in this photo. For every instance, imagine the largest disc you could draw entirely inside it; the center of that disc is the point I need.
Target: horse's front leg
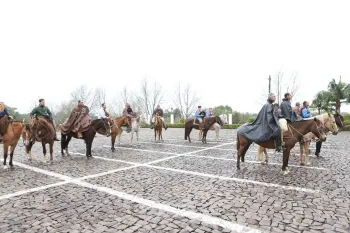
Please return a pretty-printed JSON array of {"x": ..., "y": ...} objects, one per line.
[
  {"x": 259, "y": 153},
  {"x": 302, "y": 147},
  {"x": 44, "y": 152},
  {"x": 266, "y": 156},
  {"x": 285, "y": 169},
  {"x": 88, "y": 148},
  {"x": 131, "y": 137},
  {"x": 137, "y": 137},
  {"x": 114, "y": 135},
  {"x": 307, "y": 150},
  {"x": 5, "y": 155},
  {"x": 13, "y": 147}
]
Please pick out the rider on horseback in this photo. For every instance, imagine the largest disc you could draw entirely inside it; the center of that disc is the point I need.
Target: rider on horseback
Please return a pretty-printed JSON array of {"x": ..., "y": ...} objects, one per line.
[
  {"x": 79, "y": 120},
  {"x": 209, "y": 113},
  {"x": 200, "y": 117},
  {"x": 161, "y": 114},
  {"x": 43, "y": 112},
  {"x": 128, "y": 112},
  {"x": 3, "y": 112}
]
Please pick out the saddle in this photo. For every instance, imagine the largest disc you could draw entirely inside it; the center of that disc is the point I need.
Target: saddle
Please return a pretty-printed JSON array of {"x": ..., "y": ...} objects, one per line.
[
  {"x": 4, "y": 123},
  {"x": 41, "y": 129}
]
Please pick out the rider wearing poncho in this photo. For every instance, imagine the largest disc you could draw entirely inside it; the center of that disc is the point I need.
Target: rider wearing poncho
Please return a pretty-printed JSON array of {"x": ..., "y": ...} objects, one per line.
[
  {"x": 286, "y": 109},
  {"x": 3, "y": 112},
  {"x": 161, "y": 114},
  {"x": 265, "y": 126}
]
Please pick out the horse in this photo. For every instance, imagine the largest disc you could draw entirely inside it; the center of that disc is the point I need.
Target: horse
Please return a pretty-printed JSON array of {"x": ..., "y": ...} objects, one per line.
[
  {"x": 295, "y": 133},
  {"x": 88, "y": 136},
  {"x": 330, "y": 125},
  {"x": 339, "y": 120},
  {"x": 13, "y": 131},
  {"x": 216, "y": 127},
  {"x": 40, "y": 130},
  {"x": 158, "y": 127},
  {"x": 193, "y": 123},
  {"x": 117, "y": 130},
  {"x": 135, "y": 127}
]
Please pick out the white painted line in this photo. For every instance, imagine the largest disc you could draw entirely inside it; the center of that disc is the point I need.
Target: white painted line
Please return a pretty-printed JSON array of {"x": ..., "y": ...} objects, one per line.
[
  {"x": 250, "y": 161},
  {"x": 179, "y": 145},
  {"x": 181, "y": 212},
  {"x": 33, "y": 190},
  {"x": 48, "y": 173},
  {"x": 151, "y": 151},
  {"x": 236, "y": 179}
]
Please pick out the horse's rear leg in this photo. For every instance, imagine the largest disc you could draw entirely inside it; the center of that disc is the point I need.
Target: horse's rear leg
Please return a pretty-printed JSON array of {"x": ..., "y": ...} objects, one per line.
[
  {"x": 44, "y": 152},
  {"x": 307, "y": 150},
  {"x": 137, "y": 137},
  {"x": 51, "y": 153},
  {"x": 13, "y": 147}
]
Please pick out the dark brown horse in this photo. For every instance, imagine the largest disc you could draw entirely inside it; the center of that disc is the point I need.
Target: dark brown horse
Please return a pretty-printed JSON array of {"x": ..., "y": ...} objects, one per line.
[
  {"x": 40, "y": 130},
  {"x": 296, "y": 132},
  {"x": 117, "y": 130},
  {"x": 98, "y": 125},
  {"x": 11, "y": 135},
  {"x": 192, "y": 123}
]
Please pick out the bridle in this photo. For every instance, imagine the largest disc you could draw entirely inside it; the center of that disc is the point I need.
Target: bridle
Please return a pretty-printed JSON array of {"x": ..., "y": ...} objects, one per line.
[{"x": 302, "y": 136}]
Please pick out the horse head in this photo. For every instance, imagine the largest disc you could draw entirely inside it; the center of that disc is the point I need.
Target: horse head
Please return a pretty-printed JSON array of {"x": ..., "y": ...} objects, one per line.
[
  {"x": 219, "y": 121},
  {"x": 330, "y": 123},
  {"x": 223, "y": 118},
  {"x": 319, "y": 130}
]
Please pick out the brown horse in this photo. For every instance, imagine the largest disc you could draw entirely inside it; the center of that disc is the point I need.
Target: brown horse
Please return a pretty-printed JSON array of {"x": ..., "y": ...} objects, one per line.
[
  {"x": 117, "y": 130},
  {"x": 40, "y": 130},
  {"x": 10, "y": 138},
  {"x": 98, "y": 125},
  {"x": 208, "y": 123},
  {"x": 295, "y": 134},
  {"x": 158, "y": 127}
]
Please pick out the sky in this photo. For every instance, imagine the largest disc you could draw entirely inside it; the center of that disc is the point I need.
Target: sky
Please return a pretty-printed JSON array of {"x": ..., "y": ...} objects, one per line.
[{"x": 225, "y": 49}]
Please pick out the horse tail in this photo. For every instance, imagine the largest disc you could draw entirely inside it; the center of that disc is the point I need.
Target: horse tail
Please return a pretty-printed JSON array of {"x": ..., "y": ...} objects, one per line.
[{"x": 237, "y": 143}]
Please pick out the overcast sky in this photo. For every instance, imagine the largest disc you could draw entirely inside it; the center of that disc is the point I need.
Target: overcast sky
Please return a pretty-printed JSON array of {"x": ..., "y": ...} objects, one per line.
[{"x": 225, "y": 49}]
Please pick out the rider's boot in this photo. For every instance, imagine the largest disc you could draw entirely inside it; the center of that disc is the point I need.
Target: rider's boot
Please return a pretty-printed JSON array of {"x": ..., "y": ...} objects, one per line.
[
  {"x": 165, "y": 126},
  {"x": 318, "y": 148},
  {"x": 278, "y": 144},
  {"x": 152, "y": 125}
]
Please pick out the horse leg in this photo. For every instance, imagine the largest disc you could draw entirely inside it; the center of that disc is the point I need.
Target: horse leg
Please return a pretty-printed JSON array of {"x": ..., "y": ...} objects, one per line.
[
  {"x": 63, "y": 143},
  {"x": 217, "y": 134},
  {"x": 88, "y": 148},
  {"x": 67, "y": 143},
  {"x": 5, "y": 155},
  {"x": 137, "y": 137},
  {"x": 307, "y": 147},
  {"x": 114, "y": 135},
  {"x": 13, "y": 147},
  {"x": 266, "y": 156},
  {"x": 131, "y": 137},
  {"x": 120, "y": 133},
  {"x": 259, "y": 153},
  {"x": 302, "y": 146},
  {"x": 51, "y": 153},
  {"x": 44, "y": 152},
  {"x": 285, "y": 169}
]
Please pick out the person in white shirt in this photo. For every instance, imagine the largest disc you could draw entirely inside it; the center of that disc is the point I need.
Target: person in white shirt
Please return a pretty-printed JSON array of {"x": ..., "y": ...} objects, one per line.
[{"x": 102, "y": 113}]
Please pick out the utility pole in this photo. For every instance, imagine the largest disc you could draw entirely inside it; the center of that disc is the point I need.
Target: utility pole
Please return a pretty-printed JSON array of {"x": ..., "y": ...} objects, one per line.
[{"x": 269, "y": 84}]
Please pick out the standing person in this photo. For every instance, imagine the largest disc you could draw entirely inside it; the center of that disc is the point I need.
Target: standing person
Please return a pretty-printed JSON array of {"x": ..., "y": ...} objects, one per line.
[
  {"x": 43, "y": 112},
  {"x": 161, "y": 114}
]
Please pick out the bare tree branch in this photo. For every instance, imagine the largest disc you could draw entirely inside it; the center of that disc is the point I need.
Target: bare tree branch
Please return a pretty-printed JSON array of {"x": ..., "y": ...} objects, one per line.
[{"x": 186, "y": 100}]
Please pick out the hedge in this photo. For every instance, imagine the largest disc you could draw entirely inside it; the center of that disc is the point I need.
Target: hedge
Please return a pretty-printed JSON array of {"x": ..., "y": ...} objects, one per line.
[{"x": 233, "y": 126}]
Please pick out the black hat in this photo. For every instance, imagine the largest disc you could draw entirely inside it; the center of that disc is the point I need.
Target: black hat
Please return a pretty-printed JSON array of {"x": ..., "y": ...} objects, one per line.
[{"x": 199, "y": 106}]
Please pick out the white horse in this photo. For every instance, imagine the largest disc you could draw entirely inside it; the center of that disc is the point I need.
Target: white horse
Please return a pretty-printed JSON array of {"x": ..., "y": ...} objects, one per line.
[
  {"x": 135, "y": 127},
  {"x": 215, "y": 127}
]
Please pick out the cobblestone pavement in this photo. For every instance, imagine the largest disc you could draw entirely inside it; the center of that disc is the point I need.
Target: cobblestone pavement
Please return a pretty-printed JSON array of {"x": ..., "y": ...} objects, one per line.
[{"x": 176, "y": 186}]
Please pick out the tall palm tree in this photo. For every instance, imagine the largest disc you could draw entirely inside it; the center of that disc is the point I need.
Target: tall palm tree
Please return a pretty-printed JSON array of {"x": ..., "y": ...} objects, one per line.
[
  {"x": 321, "y": 102},
  {"x": 340, "y": 93}
]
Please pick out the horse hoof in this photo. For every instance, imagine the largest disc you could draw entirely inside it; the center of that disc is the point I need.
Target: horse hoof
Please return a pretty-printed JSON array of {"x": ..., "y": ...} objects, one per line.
[
  {"x": 264, "y": 163},
  {"x": 5, "y": 167},
  {"x": 285, "y": 172},
  {"x": 302, "y": 164},
  {"x": 308, "y": 164},
  {"x": 51, "y": 163}
]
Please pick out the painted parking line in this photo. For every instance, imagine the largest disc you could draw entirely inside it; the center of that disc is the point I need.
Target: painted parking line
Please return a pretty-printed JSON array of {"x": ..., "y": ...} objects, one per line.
[
  {"x": 156, "y": 205},
  {"x": 257, "y": 162},
  {"x": 142, "y": 150}
]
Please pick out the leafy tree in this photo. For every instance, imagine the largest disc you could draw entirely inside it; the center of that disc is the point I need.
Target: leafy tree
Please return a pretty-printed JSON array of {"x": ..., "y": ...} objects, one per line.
[
  {"x": 321, "y": 102},
  {"x": 339, "y": 93},
  {"x": 221, "y": 109}
]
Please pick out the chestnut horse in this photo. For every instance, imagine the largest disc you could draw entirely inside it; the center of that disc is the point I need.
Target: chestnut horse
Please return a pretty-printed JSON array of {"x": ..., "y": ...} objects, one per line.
[
  {"x": 158, "y": 127},
  {"x": 10, "y": 138},
  {"x": 40, "y": 130},
  {"x": 98, "y": 125},
  {"x": 295, "y": 134},
  {"x": 193, "y": 123},
  {"x": 117, "y": 130}
]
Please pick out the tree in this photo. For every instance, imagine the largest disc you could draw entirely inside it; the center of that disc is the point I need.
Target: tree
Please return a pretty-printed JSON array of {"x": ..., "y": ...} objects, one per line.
[
  {"x": 221, "y": 109},
  {"x": 89, "y": 96},
  {"x": 321, "y": 102},
  {"x": 186, "y": 100},
  {"x": 339, "y": 93},
  {"x": 150, "y": 97}
]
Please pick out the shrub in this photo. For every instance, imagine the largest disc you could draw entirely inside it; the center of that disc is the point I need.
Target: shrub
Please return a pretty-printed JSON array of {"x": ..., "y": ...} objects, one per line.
[
  {"x": 182, "y": 120},
  {"x": 251, "y": 119}
]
